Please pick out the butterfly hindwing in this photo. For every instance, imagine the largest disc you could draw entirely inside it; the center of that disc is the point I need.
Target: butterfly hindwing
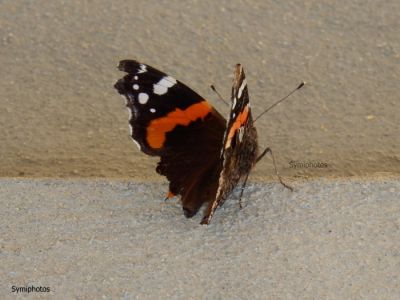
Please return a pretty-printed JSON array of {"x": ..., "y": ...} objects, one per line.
[{"x": 240, "y": 148}]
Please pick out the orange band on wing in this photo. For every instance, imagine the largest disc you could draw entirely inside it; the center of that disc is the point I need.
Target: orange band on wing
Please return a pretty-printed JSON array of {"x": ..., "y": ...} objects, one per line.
[
  {"x": 158, "y": 128},
  {"x": 240, "y": 120}
]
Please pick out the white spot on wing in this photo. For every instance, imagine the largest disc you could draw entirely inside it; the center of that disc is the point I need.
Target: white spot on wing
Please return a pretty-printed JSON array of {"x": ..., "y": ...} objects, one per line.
[
  {"x": 241, "y": 133},
  {"x": 161, "y": 87},
  {"x": 244, "y": 83},
  {"x": 142, "y": 69},
  {"x": 143, "y": 98},
  {"x": 234, "y": 102},
  {"x": 135, "y": 87},
  {"x": 153, "y": 110},
  {"x": 135, "y": 77}
]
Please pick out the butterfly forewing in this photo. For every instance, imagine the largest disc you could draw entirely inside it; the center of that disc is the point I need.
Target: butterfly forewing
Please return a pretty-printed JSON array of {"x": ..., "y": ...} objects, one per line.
[{"x": 170, "y": 120}]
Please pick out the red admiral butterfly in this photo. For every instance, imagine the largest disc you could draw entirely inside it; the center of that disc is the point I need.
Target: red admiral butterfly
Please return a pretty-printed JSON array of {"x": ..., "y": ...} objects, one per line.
[{"x": 202, "y": 155}]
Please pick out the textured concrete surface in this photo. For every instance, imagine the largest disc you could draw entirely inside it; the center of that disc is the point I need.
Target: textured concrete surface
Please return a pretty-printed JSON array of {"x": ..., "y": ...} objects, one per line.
[
  {"x": 118, "y": 240},
  {"x": 60, "y": 116}
]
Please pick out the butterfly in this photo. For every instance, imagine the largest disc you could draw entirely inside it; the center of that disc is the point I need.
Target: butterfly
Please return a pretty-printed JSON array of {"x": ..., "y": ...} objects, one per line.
[{"x": 203, "y": 155}]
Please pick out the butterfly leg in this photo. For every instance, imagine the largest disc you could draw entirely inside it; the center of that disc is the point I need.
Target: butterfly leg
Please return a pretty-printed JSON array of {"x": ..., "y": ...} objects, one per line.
[
  {"x": 268, "y": 150},
  {"x": 242, "y": 190},
  {"x": 208, "y": 214}
]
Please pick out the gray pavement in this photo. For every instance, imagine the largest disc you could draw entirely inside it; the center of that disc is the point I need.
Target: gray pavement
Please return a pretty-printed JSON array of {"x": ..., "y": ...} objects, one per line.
[{"x": 100, "y": 239}]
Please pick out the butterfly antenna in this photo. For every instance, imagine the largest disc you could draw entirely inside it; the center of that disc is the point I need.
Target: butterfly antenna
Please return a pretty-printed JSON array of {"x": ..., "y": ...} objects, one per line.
[
  {"x": 279, "y": 101},
  {"x": 219, "y": 95}
]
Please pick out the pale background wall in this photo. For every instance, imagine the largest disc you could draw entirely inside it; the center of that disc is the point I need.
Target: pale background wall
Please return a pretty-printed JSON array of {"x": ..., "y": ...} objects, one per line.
[{"x": 60, "y": 115}]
